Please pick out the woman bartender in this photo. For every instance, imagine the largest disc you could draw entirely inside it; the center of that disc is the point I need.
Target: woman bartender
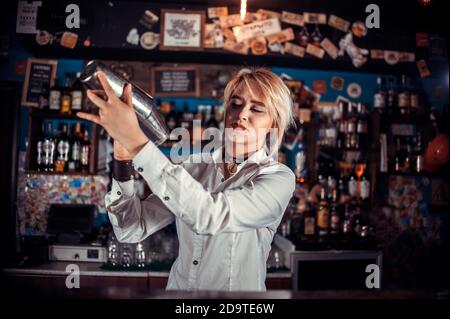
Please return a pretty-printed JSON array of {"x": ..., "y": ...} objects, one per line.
[{"x": 226, "y": 210}]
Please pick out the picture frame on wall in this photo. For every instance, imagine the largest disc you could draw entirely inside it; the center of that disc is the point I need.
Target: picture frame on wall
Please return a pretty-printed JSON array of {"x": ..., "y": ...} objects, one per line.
[
  {"x": 40, "y": 74},
  {"x": 182, "y": 29},
  {"x": 179, "y": 81}
]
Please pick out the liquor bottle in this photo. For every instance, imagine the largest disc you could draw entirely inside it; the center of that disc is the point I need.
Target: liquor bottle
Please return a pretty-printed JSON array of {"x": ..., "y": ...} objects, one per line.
[
  {"x": 407, "y": 161},
  {"x": 297, "y": 221},
  {"x": 351, "y": 141},
  {"x": 66, "y": 97},
  {"x": 418, "y": 154},
  {"x": 186, "y": 117},
  {"x": 398, "y": 156},
  {"x": 392, "y": 97},
  {"x": 361, "y": 126},
  {"x": 310, "y": 222},
  {"x": 171, "y": 118},
  {"x": 75, "y": 156},
  {"x": 334, "y": 213},
  {"x": 85, "y": 152},
  {"x": 44, "y": 95},
  {"x": 63, "y": 147},
  {"x": 357, "y": 221},
  {"x": 77, "y": 94},
  {"x": 303, "y": 36},
  {"x": 331, "y": 187},
  {"x": 55, "y": 97},
  {"x": 404, "y": 99},
  {"x": 58, "y": 165},
  {"x": 321, "y": 180},
  {"x": 200, "y": 114},
  {"x": 365, "y": 186},
  {"x": 316, "y": 36},
  {"x": 300, "y": 158},
  {"x": 206, "y": 115},
  {"x": 414, "y": 100},
  {"x": 330, "y": 133},
  {"x": 342, "y": 187},
  {"x": 323, "y": 215},
  {"x": 48, "y": 148},
  {"x": 199, "y": 117},
  {"x": 352, "y": 186},
  {"x": 354, "y": 141},
  {"x": 40, "y": 150},
  {"x": 342, "y": 133},
  {"x": 379, "y": 98},
  {"x": 212, "y": 122},
  {"x": 70, "y": 164},
  {"x": 346, "y": 222}
]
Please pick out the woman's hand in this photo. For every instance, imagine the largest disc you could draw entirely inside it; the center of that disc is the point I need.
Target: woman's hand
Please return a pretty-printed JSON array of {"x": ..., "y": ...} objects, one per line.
[{"x": 118, "y": 118}]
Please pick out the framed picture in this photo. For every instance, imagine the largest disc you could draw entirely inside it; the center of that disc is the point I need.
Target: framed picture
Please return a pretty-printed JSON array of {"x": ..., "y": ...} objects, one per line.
[
  {"x": 183, "y": 81},
  {"x": 182, "y": 30},
  {"x": 40, "y": 74}
]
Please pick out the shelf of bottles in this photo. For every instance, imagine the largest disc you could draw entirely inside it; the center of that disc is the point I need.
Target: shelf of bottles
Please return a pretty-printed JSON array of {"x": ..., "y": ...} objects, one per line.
[
  {"x": 59, "y": 142},
  {"x": 330, "y": 210},
  {"x": 356, "y": 147},
  {"x": 404, "y": 122},
  {"x": 183, "y": 116}
]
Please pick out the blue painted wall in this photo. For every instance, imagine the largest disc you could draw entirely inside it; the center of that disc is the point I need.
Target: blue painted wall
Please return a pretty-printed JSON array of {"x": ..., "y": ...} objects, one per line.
[{"x": 366, "y": 80}]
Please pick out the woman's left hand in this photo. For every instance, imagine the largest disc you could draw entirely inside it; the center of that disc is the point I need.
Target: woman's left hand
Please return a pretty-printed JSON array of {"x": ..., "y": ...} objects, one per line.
[{"x": 117, "y": 116}]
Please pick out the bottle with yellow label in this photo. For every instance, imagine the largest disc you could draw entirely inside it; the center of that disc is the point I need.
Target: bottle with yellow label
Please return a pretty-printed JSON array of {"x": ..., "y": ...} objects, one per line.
[
  {"x": 323, "y": 215},
  {"x": 66, "y": 97}
]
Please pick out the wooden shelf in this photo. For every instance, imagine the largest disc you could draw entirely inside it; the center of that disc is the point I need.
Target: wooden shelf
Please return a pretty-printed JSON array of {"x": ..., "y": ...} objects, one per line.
[
  {"x": 218, "y": 56},
  {"x": 412, "y": 174},
  {"x": 34, "y": 172}
]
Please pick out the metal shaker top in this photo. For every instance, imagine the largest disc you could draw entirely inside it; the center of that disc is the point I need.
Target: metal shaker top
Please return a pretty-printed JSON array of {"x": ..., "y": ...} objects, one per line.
[
  {"x": 148, "y": 115},
  {"x": 89, "y": 71},
  {"x": 142, "y": 102}
]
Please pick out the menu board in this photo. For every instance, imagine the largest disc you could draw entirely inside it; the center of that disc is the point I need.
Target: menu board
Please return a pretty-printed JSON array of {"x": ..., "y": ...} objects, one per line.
[
  {"x": 175, "y": 81},
  {"x": 40, "y": 73}
]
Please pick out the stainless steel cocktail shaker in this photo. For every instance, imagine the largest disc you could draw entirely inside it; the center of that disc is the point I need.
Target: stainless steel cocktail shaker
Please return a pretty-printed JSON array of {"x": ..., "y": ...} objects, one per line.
[{"x": 148, "y": 115}]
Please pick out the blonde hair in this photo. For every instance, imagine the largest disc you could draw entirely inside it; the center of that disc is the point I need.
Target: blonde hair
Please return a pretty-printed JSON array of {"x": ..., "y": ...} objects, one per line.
[{"x": 274, "y": 91}]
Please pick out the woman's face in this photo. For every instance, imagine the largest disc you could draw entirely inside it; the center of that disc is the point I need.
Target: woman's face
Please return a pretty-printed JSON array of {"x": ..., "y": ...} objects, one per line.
[{"x": 247, "y": 120}]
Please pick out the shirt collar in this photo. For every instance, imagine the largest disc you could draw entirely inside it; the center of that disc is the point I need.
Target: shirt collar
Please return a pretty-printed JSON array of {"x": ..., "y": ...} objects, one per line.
[{"x": 257, "y": 157}]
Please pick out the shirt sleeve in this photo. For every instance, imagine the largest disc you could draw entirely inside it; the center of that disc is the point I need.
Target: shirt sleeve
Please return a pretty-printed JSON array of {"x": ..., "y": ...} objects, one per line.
[
  {"x": 259, "y": 203},
  {"x": 134, "y": 219}
]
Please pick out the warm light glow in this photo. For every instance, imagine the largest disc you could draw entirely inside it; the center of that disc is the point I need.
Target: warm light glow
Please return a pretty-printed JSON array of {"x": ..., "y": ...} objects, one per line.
[
  {"x": 243, "y": 9},
  {"x": 425, "y": 2}
]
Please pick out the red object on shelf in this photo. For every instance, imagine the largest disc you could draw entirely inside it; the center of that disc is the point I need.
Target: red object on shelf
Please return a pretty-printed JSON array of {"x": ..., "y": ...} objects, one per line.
[{"x": 436, "y": 153}]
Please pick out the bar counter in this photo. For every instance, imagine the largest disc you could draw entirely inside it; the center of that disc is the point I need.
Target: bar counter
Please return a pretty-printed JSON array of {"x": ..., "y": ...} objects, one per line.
[
  {"x": 95, "y": 269},
  {"x": 92, "y": 275},
  {"x": 48, "y": 281}
]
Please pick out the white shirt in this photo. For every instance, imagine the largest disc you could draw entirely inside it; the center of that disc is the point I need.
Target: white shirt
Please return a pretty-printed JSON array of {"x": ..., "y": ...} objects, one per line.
[{"x": 225, "y": 228}]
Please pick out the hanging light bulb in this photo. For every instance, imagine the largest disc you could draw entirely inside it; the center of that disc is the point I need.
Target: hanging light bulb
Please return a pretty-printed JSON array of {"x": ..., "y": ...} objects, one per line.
[{"x": 243, "y": 9}]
